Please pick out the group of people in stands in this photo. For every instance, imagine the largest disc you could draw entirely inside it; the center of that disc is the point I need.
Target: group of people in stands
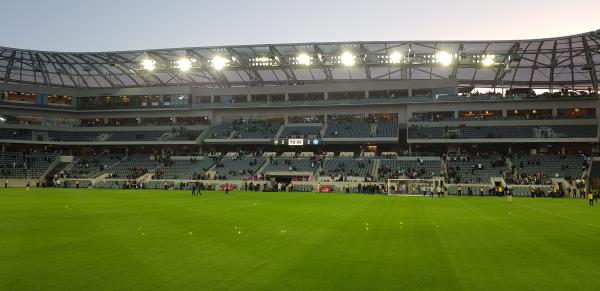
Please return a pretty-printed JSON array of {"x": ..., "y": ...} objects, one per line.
[
  {"x": 540, "y": 177},
  {"x": 241, "y": 126},
  {"x": 480, "y": 161},
  {"x": 17, "y": 165},
  {"x": 386, "y": 172},
  {"x": 233, "y": 172},
  {"x": 524, "y": 92},
  {"x": 88, "y": 165},
  {"x": 342, "y": 174}
]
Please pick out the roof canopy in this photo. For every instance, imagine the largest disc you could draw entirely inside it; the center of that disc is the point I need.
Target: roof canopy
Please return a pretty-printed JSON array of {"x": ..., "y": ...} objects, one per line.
[{"x": 572, "y": 62}]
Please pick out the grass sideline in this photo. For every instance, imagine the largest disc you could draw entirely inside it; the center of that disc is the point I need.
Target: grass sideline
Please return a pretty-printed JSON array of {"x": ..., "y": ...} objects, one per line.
[{"x": 80, "y": 239}]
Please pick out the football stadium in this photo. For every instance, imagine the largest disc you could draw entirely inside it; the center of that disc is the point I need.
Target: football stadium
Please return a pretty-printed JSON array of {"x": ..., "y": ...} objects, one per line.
[{"x": 359, "y": 165}]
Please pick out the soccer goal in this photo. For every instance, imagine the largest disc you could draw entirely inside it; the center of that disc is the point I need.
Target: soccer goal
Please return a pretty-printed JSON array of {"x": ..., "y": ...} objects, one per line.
[{"x": 414, "y": 186}]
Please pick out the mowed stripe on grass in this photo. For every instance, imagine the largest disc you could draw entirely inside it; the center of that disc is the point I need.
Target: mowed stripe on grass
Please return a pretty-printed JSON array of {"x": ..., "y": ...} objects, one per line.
[{"x": 57, "y": 239}]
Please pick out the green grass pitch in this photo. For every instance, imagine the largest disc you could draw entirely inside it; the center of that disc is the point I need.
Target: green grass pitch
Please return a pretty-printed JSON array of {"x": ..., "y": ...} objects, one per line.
[{"x": 55, "y": 239}]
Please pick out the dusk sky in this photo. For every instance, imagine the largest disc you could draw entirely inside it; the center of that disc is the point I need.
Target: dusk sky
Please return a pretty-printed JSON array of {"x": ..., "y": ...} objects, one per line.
[{"x": 85, "y": 25}]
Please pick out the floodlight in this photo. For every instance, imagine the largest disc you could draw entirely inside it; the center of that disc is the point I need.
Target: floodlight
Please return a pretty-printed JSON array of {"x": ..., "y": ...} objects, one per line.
[
  {"x": 303, "y": 59},
  {"x": 488, "y": 60},
  {"x": 395, "y": 58},
  {"x": 444, "y": 58},
  {"x": 347, "y": 59},
  {"x": 184, "y": 64},
  {"x": 149, "y": 64},
  {"x": 219, "y": 62}
]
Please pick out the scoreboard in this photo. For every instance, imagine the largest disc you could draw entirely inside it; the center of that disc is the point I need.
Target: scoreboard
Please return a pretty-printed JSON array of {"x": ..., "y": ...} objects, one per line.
[{"x": 297, "y": 142}]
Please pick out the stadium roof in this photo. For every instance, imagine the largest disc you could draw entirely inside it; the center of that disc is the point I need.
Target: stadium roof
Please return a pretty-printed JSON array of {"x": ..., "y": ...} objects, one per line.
[{"x": 571, "y": 61}]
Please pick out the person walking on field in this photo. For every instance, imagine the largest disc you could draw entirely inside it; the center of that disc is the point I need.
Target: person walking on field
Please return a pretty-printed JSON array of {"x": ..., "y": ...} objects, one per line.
[
  {"x": 197, "y": 185},
  {"x": 500, "y": 191},
  {"x": 591, "y": 199}
]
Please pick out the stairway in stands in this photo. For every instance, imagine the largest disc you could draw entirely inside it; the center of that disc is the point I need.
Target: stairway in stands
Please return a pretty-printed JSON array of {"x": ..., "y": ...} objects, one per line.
[
  {"x": 594, "y": 177},
  {"x": 57, "y": 168}
]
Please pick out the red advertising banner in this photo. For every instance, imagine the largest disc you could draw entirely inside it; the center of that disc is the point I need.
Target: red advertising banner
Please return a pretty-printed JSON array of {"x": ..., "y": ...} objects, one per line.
[{"x": 326, "y": 188}]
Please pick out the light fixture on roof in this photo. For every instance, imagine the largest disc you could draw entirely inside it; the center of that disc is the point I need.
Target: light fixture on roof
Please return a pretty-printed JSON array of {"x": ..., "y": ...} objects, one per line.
[
  {"x": 395, "y": 58},
  {"x": 303, "y": 59},
  {"x": 347, "y": 59},
  {"x": 488, "y": 60},
  {"x": 444, "y": 58},
  {"x": 184, "y": 64},
  {"x": 149, "y": 64},
  {"x": 218, "y": 62}
]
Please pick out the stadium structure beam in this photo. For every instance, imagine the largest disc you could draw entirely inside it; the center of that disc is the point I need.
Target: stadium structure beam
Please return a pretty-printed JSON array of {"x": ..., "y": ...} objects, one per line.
[
  {"x": 254, "y": 77},
  {"x": 501, "y": 73},
  {"x": 430, "y": 73},
  {"x": 572, "y": 66},
  {"x": 285, "y": 64},
  {"x": 410, "y": 63},
  {"x": 80, "y": 77},
  {"x": 217, "y": 76},
  {"x": 42, "y": 68},
  {"x": 63, "y": 70},
  {"x": 457, "y": 64},
  {"x": 477, "y": 67},
  {"x": 32, "y": 60},
  {"x": 595, "y": 37},
  {"x": 115, "y": 65},
  {"x": 87, "y": 67},
  {"x": 590, "y": 64},
  {"x": 57, "y": 73},
  {"x": 165, "y": 62},
  {"x": 9, "y": 66},
  {"x": 552, "y": 66},
  {"x": 219, "y": 79},
  {"x": 175, "y": 76},
  {"x": 535, "y": 62},
  {"x": 430, "y": 67},
  {"x": 152, "y": 74},
  {"x": 111, "y": 61},
  {"x": 367, "y": 69},
  {"x": 326, "y": 70},
  {"x": 519, "y": 63},
  {"x": 389, "y": 73}
]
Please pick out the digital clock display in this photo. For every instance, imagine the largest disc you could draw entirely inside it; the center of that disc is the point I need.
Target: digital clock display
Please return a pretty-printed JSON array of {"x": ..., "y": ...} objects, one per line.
[{"x": 296, "y": 142}]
